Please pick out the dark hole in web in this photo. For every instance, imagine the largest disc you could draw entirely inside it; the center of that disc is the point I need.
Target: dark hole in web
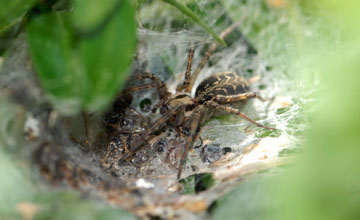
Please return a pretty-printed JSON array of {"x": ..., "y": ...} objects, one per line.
[{"x": 145, "y": 105}]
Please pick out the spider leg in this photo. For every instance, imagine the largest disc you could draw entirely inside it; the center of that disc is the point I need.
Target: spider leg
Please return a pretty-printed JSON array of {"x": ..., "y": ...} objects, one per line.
[
  {"x": 142, "y": 139},
  {"x": 160, "y": 103},
  {"x": 239, "y": 97},
  {"x": 145, "y": 75},
  {"x": 208, "y": 54},
  {"x": 235, "y": 112},
  {"x": 129, "y": 131},
  {"x": 186, "y": 82},
  {"x": 156, "y": 83},
  {"x": 139, "y": 88},
  {"x": 142, "y": 118},
  {"x": 195, "y": 122}
]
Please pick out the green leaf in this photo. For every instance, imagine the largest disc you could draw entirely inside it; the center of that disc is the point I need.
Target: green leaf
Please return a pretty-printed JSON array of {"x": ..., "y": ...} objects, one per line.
[
  {"x": 50, "y": 46},
  {"x": 89, "y": 14},
  {"x": 195, "y": 18},
  {"x": 12, "y": 12},
  {"x": 83, "y": 72}
]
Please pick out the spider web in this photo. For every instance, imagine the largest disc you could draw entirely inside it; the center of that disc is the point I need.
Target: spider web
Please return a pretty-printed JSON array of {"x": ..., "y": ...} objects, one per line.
[
  {"x": 166, "y": 56},
  {"x": 164, "y": 40}
]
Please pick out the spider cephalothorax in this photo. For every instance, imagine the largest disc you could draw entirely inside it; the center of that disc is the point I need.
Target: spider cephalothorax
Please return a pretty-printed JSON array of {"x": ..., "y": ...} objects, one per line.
[{"x": 222, "y": 92}]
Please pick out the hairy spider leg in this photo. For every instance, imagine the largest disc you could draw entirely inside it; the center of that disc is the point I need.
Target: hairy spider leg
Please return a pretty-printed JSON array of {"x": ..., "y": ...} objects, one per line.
[
  {"x": 143, "y": 138},
  {"x": 163, "y": 92},
  {"x": 238, "y": 97},
  {"x": 160, "y": 85},
  {"x": 235, "y": 112},
  {"x": 156, "y": 83},
  {"x": 208, "y": 54},
  {"x": 187, "y": 78},
  {"x": 160, "y": 103},
  {"x": 195, "y": 123},
  {"x": 139, "y": 88}
]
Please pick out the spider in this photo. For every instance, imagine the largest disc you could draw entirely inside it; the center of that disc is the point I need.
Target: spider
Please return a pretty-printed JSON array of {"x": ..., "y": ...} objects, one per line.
[{"x": 221, "y": 92}]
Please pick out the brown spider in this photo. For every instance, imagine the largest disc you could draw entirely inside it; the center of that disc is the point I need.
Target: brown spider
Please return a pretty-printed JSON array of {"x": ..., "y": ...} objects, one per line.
[{"x": 222, "y": 92}]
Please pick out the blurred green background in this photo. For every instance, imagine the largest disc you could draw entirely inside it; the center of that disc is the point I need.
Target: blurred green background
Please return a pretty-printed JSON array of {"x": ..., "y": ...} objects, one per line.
[{"x": 323, "y": 37}]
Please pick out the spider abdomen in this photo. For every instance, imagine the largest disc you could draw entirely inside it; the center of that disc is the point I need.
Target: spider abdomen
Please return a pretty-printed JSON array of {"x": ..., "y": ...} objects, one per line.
[{"x": 223, "y": 83}]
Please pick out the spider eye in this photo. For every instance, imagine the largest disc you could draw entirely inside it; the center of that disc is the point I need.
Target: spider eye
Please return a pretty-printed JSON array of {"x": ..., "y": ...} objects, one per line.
[{"x": 145, "y": 105}]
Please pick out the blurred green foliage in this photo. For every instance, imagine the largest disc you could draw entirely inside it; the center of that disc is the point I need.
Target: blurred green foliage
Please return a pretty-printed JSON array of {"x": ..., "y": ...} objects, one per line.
[
  {"x": 89, "y": 14},
  {"x": 325, "y": 183},
  {"x": 11, "y": 12},
  {"x": 77, "y": 70},
  {"x": 11, "y": 174},
  {"x": 248, "y": 201}
]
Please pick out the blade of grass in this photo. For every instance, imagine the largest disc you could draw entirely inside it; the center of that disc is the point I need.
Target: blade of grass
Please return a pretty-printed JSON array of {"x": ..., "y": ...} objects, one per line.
[{"x": 195, "y": 18}]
